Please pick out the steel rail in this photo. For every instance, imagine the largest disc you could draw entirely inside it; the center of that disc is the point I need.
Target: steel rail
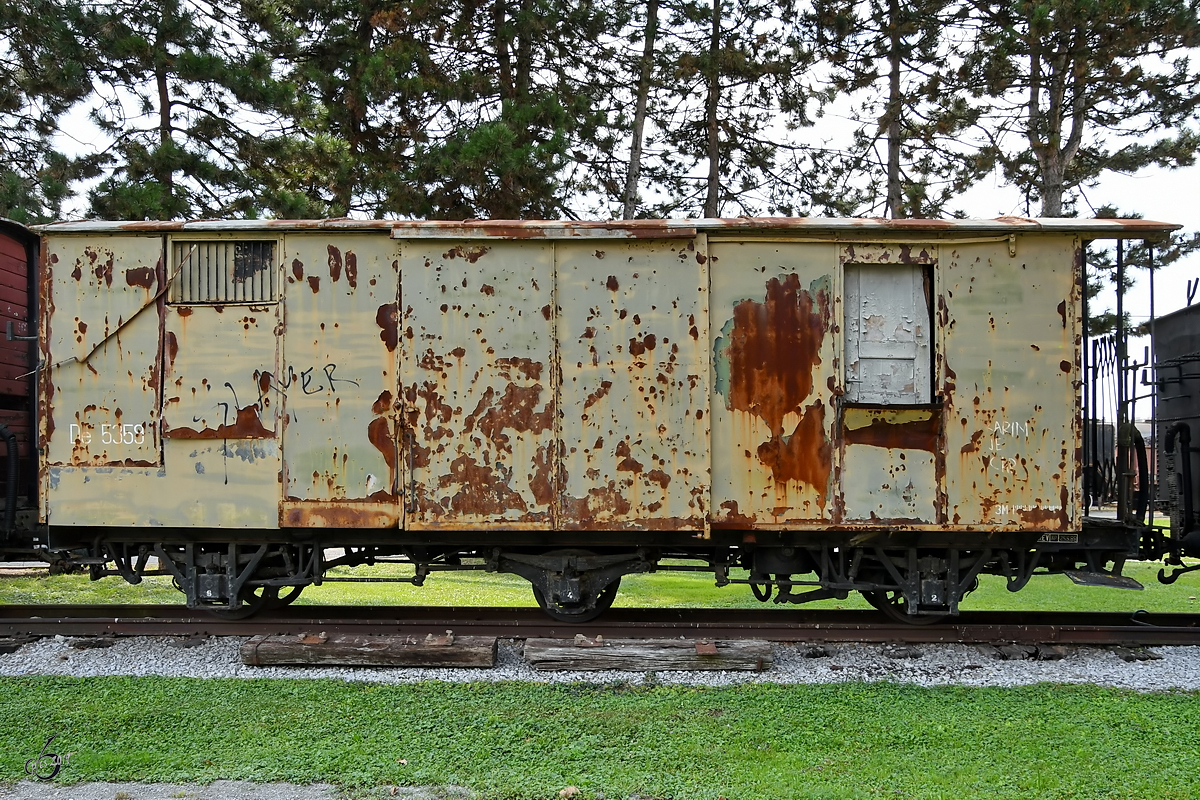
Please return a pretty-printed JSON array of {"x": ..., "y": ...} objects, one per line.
[{"x": 783, "y": 625}]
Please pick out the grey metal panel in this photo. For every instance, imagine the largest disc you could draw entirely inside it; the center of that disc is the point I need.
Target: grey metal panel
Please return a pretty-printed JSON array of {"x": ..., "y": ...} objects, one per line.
[{"x": 887, "y": 334}]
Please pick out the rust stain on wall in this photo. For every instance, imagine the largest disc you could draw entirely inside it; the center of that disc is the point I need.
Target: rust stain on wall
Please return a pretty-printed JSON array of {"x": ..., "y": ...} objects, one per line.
[
  {"x": 973, "y": 445},
  {"x": 627, "y": 463},
  {"x": 246, "y": 426},
  {"x": 517, "y": 409},
  {"x": 921, "y": 434},
  {"x": 381, "y": 436},
  {"x": 806, "y": 456},
  {"x": 540, "y": 482},
  {"x": 659, "y": 477},
  {"x": 1041, "y": 518},
  {"x": 471, "y": 254},
  {"x": 603, "y": 501},
  {"x": 773, "y": 348},
  {"x": 172, "y": 347},
  {"x": 388, "y": 320},
  {"x": 379, "y": 433},
  {"x": 485, "y": 490},
  {"x": 638, "y": 347},
  {"x": 532, "y": 370},
  {"x": 140, "y": 276},
  {"x": 335, "y": 264},
  {"x": 103, "y": 269},
  {"x": 732, "y": 516},
  {"x": 597, "y": 395},
  {"x": 335, "y": 514}
]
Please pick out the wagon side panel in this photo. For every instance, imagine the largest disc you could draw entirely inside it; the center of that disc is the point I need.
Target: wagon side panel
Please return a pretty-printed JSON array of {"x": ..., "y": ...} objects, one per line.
[
  {"x": 1009, "y": 322},
  {"x": 338, "y": 381},
  {"x": 220, "y": 426},
  {"x": 776, "y": 369},
  {"x": 101, "y": 323},
  {"x": 632, "y": 351},
  {"x": 478, "y": 392},
  {"x": 100, "y": 336}
]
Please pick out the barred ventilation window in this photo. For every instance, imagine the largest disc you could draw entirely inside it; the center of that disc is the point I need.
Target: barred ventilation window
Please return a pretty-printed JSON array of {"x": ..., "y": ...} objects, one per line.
[{"x": 224, "y": 272}]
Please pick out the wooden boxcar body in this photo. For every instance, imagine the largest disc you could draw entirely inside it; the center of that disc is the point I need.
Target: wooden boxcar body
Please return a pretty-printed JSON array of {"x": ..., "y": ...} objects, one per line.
[
  {"x": 774, "y": 394},
  {"x": 18, "y": 357}
]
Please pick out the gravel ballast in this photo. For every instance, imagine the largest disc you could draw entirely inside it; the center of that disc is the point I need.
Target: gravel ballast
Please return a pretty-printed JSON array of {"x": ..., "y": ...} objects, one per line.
[{"x": 1166, "y": 668}]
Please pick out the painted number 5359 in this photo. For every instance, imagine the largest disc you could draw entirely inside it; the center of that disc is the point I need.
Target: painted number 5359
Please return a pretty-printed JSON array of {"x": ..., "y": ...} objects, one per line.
[
  {"x": 122, "y": 434},
  {"x": 111, "y": 433}
]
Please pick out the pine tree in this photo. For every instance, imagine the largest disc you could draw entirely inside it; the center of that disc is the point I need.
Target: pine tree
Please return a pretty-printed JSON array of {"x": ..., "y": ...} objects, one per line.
[
  {"x": 181, "y": 91},
  {"x": 894, "y": 58},
  {"x": 43, "y": 75},
  {"x": 731, "y": 94},
  {"x": 1077, "y": 88},
  {"x": 527, "y": 107}
]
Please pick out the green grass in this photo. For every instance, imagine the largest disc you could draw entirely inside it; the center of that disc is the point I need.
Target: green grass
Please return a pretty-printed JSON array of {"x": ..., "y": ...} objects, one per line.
[
  {"x": 516, "y": 740},
  {"x": 664, "y": 589}
]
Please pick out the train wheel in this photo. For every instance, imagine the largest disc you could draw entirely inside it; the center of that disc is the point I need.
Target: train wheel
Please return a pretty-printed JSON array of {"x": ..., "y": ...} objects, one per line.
[
  {"x": 891, "y": 602},
  {"x": 284, "y": 595},
  {"x": 604, "y": 602},
  {"x": 258, "y": 598}
]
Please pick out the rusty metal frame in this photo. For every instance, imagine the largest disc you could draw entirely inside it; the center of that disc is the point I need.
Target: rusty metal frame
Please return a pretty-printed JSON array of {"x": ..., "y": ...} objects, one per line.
[
  {"x": 766, "y": 226},
  {"x": 189, "y": 578}
]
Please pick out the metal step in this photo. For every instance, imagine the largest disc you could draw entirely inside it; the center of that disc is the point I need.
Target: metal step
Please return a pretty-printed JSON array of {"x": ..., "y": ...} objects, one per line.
[{"x": 1084, "y": 578}]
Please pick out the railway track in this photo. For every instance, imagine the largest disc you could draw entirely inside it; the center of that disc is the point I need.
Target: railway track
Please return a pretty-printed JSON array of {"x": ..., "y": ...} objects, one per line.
[{"x": 783, "y": 625}]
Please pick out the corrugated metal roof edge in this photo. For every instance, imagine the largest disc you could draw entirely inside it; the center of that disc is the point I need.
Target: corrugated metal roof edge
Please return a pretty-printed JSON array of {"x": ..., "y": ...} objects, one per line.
[{"x": 519, "y": 229}]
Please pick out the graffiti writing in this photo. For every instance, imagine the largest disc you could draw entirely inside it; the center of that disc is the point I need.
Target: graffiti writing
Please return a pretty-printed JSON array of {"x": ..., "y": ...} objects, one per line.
[
  {"x": 311, "y": 381},
  {"x": 46, "y": 765}
]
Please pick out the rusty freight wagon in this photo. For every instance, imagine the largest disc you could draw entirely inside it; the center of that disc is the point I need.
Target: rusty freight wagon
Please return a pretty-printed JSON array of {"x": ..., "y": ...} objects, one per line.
[{"x": 889, "y": 407}]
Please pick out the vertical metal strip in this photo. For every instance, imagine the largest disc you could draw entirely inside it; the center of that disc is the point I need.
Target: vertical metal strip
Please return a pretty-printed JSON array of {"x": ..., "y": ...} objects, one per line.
[
  {"x": 1153, "y": 477},
  {"x": 1085, "y": 405},
  {"x": 556, "y": 446},
  {"x": 408, "y": 507},
  {"x": 710, "y": 377},
  {"x": 1124, "y": 475},
  {"x": 281, "y": 398}
]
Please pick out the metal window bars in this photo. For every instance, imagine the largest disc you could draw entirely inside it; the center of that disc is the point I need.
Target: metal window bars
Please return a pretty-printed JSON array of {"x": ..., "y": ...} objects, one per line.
[{"x": 219, "y": 272}]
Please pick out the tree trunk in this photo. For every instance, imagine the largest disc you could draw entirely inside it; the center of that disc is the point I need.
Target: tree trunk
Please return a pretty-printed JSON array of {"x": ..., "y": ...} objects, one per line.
[
  {"x": 356, "y": 115},
  {"x": 163, "y": 172},
  {"x": 639, "y": 115},
  {"x": 503, "y": 63},
  {"x": 1053, "y": 178},
  {"x": 894, "y": 194},
  {"x": 712, "y": 203},
  {"x": 523, "y": 80}
]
